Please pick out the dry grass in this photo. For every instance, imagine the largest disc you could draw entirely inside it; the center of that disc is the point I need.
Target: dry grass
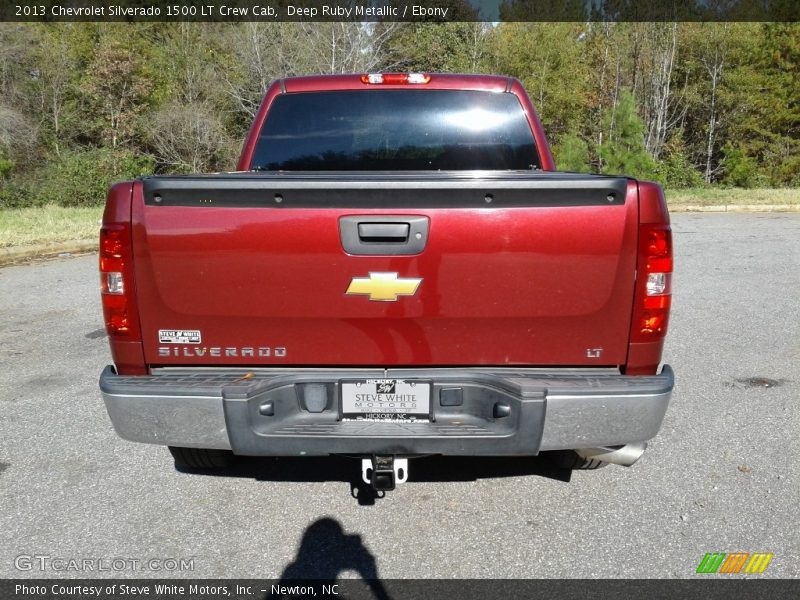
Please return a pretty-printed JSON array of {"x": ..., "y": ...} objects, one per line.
[
  {"x": 48, "y": 224},
  {"x": 732, "y": 196}
]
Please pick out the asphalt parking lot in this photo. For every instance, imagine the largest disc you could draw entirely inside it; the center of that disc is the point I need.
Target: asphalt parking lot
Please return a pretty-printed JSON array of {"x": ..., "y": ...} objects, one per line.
[{"x": 721, "y": 476}]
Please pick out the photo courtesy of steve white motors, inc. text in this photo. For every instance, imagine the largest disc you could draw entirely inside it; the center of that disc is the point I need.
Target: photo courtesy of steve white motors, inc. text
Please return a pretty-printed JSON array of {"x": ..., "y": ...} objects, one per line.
[
  {"x": 258, "y": 10},
  {"x": 138, "y": 590}
]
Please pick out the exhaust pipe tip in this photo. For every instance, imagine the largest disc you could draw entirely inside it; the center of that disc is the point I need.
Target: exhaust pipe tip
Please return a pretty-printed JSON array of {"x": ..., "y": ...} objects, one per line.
[{"x": 618, "y": 455}]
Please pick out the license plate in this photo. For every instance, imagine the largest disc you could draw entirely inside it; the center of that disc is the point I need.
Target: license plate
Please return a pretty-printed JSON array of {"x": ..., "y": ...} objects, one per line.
[{"x": 386, "y": 400}]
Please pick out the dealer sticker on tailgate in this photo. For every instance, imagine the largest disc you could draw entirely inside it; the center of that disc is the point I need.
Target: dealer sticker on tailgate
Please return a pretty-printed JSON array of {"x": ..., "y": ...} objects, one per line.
[
  {"x": 386, "y": 400},
  {"x": 178, "y": 336}
]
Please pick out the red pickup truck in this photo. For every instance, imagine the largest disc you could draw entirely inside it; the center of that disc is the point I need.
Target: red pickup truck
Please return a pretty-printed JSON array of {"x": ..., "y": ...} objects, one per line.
[{"x": 395, "y": 270}]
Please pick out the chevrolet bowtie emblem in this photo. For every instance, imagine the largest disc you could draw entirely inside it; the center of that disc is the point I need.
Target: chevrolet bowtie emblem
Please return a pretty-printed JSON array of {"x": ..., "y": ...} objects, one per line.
[{"x": 383, "y": 287}]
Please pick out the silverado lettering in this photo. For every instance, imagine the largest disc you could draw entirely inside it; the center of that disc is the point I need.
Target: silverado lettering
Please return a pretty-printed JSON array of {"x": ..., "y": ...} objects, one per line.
[
  {"x": 194, "y": 351},
  {"x": 539, "y": 327}
]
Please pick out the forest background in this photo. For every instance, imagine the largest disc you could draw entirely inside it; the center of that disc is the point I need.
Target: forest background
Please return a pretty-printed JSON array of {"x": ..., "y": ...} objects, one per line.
[{"x": 705, "y": 106}]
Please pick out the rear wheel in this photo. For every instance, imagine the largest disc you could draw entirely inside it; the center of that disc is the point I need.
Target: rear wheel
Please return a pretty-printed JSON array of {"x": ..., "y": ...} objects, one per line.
[
  {"x": 201, "y": 458},
  {"x": 569, "y": 459}
]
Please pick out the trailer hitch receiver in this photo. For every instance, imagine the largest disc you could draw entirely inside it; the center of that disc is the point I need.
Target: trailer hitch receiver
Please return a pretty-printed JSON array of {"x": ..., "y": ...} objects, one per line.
[{"x": 383, "y": 473}]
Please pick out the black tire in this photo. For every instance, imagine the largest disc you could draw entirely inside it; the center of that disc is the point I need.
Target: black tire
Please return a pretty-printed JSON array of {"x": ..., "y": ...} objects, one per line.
[
  {"x": 196, "y": 459},
  {"x": 569, "y": 459}
]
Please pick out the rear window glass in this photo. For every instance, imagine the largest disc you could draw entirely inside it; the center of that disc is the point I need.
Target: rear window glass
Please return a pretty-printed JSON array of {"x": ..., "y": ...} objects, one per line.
[{"x": 395, "y": 130}]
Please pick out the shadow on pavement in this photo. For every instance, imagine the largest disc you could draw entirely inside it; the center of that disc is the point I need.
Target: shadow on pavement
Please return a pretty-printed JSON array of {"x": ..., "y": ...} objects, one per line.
[{"x": 325, "y": 552}]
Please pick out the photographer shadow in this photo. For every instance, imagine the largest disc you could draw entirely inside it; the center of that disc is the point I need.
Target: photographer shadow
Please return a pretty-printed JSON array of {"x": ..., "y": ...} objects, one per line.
[{"x": 326, "y": 552}]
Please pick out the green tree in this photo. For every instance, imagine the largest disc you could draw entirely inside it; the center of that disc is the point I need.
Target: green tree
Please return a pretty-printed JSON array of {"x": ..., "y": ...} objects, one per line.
[
  {"x": 776, "y": 135},
  {"x": 549, "y": 59},
  {"x": 739, "y": 169},
  {"x": 54, "y": 84},
  {"x": 572, "y": 154},
  {"x": 116, "y": 87},
  {"x": 6, "y": 165},
  {"x": 76, "y": 178},
  {"x": 625, "y": 153},
  {"x": 676, "y": 170},
  {"x": 444, "y": 48}
]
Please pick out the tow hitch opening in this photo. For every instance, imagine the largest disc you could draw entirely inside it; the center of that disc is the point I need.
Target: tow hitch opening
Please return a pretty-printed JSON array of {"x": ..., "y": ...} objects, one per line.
[{"x": 383, "y": 473}]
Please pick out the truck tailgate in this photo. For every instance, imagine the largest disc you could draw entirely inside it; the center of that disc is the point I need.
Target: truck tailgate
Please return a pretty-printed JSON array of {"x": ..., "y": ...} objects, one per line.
[{"x": 514, "y": 269}]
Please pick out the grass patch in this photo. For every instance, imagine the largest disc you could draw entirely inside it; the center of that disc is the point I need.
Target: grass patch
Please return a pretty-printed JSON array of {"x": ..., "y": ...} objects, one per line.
[
  {"x": 736, "y": 196},
  {"x": 48, "y": 224}
]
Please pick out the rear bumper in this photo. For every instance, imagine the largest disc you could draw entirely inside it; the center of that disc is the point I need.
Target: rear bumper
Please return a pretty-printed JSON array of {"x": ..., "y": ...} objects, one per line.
[{"x": 546, "y": 410}]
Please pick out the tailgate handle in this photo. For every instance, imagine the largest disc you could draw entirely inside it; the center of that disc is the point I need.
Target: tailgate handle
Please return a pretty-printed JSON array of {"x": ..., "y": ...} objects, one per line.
[
  {"x": 383, "y": 232},
  {"x": 383, "y": 235}
]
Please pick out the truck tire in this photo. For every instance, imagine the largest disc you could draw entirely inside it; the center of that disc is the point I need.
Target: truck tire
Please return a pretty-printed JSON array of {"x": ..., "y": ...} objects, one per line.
[
  {"x": 201, "y": 458},
  {"x": 569, "y": 459}
]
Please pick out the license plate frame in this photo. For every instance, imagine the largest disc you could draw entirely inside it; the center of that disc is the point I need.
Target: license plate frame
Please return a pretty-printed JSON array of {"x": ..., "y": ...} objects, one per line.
[{"x": 387, "y": 410}]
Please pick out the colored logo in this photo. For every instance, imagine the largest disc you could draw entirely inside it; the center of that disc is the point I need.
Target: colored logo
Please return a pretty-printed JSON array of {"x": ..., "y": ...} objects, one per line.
[
  {"x": 383, "y": 287},
  {"x": 734, "y": 562}
]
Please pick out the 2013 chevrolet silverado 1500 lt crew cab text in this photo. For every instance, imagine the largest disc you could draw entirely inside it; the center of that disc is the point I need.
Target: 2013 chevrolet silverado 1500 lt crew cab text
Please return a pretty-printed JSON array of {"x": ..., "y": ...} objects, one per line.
[{"x": 395, "y": 270}]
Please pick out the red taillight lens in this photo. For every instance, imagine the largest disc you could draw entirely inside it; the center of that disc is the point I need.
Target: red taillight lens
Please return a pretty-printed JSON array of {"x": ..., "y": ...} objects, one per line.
[
  {"x": 116, "y": 279},
  {"x": 659, "y": 250},
  {"x": 657, "y": 242},
  {"x": 654, "y": 283},
  {"x": 111, "y": 240},
  {"x": 115, "y": 310},
  {"x": 653, "y": 323},
  {"x": 657, "y": 302}
]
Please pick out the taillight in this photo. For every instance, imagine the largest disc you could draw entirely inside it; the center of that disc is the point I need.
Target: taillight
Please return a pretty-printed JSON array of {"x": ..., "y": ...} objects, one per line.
[
  {"x": 395, "y": 78},
  {"x": 116, "y": 280},
  {"x": 654, "y": 283}
]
